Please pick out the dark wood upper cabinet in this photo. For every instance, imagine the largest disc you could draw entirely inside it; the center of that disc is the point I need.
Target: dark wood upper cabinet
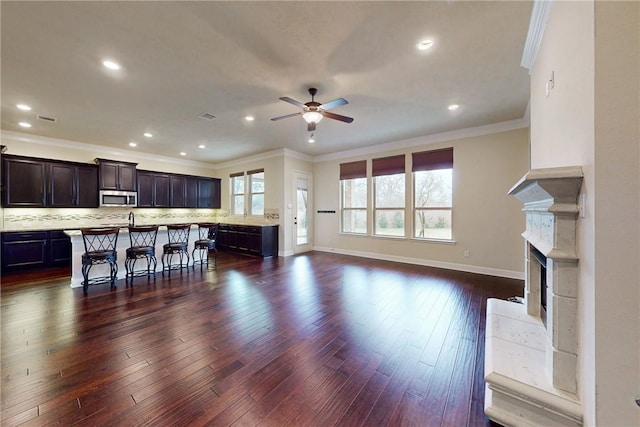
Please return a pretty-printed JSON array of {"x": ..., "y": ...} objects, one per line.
[
  {"x": 161, "y": 188},
  {"x": 24, "y": 182},
  {"x": 72, "y": 186},
  {"x": 145, "y": 189},
  {"x": 209, "y": 193},
  {"x": 30, "y": 182},
  {"x": 117, "y": 175},
  {"x": 191, "y": 184},
  {"x": 153, "y": 190},
  {"x": 177, "y": 189},
  {"x": 62, "y": 185},
  {"x": 87, "y": 188}
]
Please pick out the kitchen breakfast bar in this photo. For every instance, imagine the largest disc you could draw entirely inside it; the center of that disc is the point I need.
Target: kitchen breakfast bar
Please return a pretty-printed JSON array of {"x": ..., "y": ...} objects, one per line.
[{"x": 256, "y": 240}]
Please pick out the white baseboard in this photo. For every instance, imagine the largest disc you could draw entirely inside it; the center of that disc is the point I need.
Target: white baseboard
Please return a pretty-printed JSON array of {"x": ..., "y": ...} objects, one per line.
[{"x": 519, "y": 275}]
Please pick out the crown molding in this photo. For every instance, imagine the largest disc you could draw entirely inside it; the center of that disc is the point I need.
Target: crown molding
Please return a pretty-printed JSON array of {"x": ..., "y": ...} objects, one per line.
[
  {"x": 427, "y": 139},
  {"x": 280, "y": 152},
  {"x": 104, "y": 151},
  {"x": 537, "y": 24}
]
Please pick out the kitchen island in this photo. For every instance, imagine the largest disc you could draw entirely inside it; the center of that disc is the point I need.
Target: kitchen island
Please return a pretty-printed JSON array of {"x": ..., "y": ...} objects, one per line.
[{"x": 77, "y": 249}]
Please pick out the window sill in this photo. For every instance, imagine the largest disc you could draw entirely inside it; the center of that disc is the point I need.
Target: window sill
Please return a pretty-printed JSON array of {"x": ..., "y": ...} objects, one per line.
[
  {"x": 399, "y": 238},
  {"x": 437, "y": 241}
]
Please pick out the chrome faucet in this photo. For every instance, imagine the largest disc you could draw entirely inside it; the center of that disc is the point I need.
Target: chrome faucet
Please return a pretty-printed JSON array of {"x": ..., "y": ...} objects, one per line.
[{"x": 132, "y": 219}]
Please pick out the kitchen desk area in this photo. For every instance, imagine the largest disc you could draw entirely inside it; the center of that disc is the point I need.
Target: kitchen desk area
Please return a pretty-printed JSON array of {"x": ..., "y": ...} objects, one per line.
[{"x": 256, "y": 240}]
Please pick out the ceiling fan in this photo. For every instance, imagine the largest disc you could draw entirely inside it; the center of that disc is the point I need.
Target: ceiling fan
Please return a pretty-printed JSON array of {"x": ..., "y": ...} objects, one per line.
[{"x": 312, "y": 111}]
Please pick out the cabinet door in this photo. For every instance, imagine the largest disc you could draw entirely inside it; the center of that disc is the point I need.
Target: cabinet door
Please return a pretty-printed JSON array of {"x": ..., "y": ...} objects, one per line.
[
  {"x": 161, "y": 190},
  {"x": 255, "y": 243},
  {"x": 217, "y": 184},
  {"x": 209, "y": 193},
  {"x": 108, "y": 176},
  {"x": 223, "y": 237},
  {"x": 177, "y": 188},
  {"x": 24, "y": 183},
  {"x": 127, "y": 177},
  {"x": 23, "y": 251},
  {"x": 145, "y": 190},
  {"x": 60, "y": 247},
  {"x": 87, "y": 187},
  {"x": 62, "y": 185},
  {"x": 243, "y": 241},
  {"x": 205, "y": 193},
  {"x": 117, "y": 176},
  {"x": 191, "y": 183}
]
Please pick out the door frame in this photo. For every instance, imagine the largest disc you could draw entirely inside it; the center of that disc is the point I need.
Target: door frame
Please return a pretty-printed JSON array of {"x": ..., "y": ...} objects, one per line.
[{"x": 309, "y": 245}]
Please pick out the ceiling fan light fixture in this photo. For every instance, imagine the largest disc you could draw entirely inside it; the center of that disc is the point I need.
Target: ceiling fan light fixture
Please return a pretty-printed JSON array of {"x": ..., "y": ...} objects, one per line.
[{"x": 312, "y": 116}]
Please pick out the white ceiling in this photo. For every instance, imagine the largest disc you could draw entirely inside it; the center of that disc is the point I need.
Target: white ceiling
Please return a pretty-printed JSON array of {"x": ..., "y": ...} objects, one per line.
[{"x": 232, "y": 59}]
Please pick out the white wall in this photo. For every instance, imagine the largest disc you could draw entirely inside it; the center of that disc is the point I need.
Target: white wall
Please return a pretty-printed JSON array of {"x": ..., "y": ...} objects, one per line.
[
  {"x": 590, "y": 118},
  {"x": 278, "y": 167},
  {"x": 486, "y": 221}
]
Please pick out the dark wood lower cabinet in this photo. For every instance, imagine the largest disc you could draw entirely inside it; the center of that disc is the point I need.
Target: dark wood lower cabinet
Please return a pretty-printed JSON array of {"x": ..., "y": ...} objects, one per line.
[
  {"x": 249, "y": 239},
  {"x": 28, "y": 251}
]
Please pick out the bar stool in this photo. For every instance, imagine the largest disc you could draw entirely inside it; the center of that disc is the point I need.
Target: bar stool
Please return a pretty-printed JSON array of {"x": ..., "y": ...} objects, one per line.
[
  {"x": 178, "y": 235},
  {"x": 99, "y": 248},
  {"x": 207, "y": 234},
  {"x": 143, "y": 246}
]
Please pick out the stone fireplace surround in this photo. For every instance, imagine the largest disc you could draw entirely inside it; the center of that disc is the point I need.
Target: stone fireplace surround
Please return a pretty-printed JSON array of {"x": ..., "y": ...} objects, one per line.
[{"x": 530, "y": 369}]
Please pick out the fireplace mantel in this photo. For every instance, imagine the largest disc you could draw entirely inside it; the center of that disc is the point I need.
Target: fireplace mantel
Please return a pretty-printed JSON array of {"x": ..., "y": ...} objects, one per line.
[{"x": 530, "y": 368}]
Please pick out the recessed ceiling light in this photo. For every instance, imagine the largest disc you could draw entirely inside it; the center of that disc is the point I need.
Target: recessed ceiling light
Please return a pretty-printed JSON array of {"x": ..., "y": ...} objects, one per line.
[
  {"x": 453, "y": 107},
  {"x": 249, "y": 118},
  {"x": 133, "y": 144},
  {"x": 202, "y": 146},
  {"x": 111, "y": 65},
  {"x": 424, "y": 44},
  {"x": 182, "y": 153},
  {"x": 25, "y": 124},
  {"x": 24, "y": 107},
  {"x": 148, "y": 135}
]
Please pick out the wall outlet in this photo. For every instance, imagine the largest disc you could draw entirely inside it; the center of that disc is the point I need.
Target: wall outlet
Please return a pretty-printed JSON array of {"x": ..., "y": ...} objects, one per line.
[{"x": 467, "y": 254}]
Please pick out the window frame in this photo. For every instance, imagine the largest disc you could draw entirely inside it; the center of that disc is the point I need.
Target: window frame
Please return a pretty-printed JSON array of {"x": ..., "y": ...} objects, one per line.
[
  {"x": 250, "y": 193},
  {"x": 384, "y": 167},
  {"x": 344, "y": 209},
  {"x": 247, "y": 194},
  {"x": 429, "y": 161}
]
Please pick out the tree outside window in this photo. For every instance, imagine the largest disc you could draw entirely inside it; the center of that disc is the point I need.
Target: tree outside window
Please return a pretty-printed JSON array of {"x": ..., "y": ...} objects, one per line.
[{"x": 433, "y": 204}]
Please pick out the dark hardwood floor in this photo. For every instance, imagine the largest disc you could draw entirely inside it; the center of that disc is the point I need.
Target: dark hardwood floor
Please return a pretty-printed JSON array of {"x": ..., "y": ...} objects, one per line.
[{"x": 313, "y": 340}]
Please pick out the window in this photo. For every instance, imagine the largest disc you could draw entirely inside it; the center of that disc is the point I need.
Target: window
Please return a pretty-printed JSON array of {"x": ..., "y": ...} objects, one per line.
[
  {"x": 256, "y": 194},
  {"x": 237, "y": 193},
  {"x": 389, "y": 196},
  {"x": 353, "y": 195},
  {"x": 247, "y": 193},
  {"x": 433, "y": 195}
]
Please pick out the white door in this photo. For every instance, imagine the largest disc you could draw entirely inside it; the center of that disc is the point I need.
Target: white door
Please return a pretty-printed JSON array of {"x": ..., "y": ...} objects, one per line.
[{"x": 302, "y": 213}]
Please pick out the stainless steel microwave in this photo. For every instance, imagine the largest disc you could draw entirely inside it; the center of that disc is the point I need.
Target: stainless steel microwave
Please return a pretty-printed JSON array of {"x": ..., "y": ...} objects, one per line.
[{"x": 118, "y": 198}]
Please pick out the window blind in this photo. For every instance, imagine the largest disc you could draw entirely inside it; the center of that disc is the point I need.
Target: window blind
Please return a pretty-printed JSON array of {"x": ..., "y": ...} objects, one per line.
[
  {"x": 432, "y": 160},
  {"x": 353, "y": 170},
  {"x": 388, "y": 165}
]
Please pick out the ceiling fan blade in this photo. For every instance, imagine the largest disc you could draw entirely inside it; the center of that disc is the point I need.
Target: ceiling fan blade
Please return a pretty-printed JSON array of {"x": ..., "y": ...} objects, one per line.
[
  {"x": 292, "y": 101},
  {"x": 286, "y": 116},
  {"x": 311, "y": 127},
  {"x": 333, "y": 104},
  {"x": 337, "y": 117}
]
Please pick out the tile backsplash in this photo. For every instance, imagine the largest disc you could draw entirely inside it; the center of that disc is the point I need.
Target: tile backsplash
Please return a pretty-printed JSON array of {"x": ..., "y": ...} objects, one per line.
[{"x": 18, "y": 219}]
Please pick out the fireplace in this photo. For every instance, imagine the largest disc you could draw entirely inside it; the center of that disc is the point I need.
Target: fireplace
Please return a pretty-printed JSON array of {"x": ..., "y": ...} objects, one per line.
[
  {"x": 531, "y": 349},
  {"x": 542, "y": 278}
]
